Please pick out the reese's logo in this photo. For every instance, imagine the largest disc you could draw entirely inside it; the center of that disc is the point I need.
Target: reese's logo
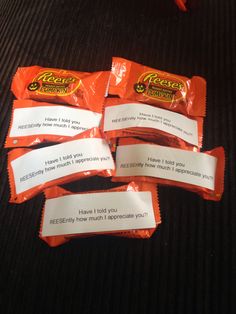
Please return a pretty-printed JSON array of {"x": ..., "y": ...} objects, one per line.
[
  {"x": 55, "y": 83},
  {"x": 160, "y": 86}
]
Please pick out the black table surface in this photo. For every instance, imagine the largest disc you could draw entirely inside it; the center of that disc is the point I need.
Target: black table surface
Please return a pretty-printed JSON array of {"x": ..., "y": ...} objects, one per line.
[{"x": 188, "y": 266}]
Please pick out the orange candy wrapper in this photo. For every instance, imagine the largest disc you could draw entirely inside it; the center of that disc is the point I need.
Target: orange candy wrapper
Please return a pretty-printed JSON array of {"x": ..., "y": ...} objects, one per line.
[
  {"x": 82, "y": 89},
  {"x": 125, "y": 118},
  {"x": 31, "y": 171},
  {"x": 95, "y": 212},
  {"x": 202, "y": 173},
  {"x": 181, "y": 4},
  {"x": 36, "y": 122},
  {"x": 169, "y": 91}
]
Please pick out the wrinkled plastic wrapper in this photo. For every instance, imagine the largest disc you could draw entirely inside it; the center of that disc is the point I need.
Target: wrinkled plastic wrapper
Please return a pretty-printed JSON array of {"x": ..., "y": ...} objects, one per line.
[
  {"x": 32, "y": 171},
  {"x": 161, "y": 164},
  {"x": 34, "y": 122},
  {"x": 154, "y": 126},
  {"x": 177, "y": 93},
  {"x": 132, "y": 187},
  {"x": 82, "y": 89}
]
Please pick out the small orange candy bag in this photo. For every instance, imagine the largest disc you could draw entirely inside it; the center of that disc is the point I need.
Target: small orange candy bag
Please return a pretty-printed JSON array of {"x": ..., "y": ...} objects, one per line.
[
  {"x": 32, "y": 171},
  {"x": 35, "y": 122},
  {"x": 82, "y": 89},
  {"x": 177, "y": 93},
  {"x": 64, "y": 216},
  {"x": 126, "y": 118},
  {"x": 202, "y": 173}
]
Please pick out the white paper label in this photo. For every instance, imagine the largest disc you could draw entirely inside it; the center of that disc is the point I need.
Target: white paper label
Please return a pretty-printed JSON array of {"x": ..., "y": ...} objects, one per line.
[
  {"x": 142, "y": 115},
  {"x": 49, "y": 163},
  {"x": 56, "y": 120},
  {"x": 166, "y": 163},
  {"x": 97, "y": 212}
]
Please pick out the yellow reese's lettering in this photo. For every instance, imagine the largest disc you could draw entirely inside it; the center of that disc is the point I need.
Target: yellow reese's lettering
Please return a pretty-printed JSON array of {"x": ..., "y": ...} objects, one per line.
[
  {"x": 50, "y": 78},
  {"x": 153, "y": 78}
]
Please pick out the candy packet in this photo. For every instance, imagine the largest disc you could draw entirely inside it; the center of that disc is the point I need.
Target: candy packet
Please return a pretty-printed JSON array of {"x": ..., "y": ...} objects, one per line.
[{"x": 130, "y": 210}]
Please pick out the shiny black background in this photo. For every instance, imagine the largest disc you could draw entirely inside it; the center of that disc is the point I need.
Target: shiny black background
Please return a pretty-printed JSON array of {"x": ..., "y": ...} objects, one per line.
[{"x": 188, "y": 266}]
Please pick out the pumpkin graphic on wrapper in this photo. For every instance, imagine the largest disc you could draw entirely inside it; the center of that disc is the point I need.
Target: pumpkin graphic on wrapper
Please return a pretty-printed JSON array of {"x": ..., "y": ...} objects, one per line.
[
  {"x": 33, "y": 86},
  {"x": 139, "y": 88}
]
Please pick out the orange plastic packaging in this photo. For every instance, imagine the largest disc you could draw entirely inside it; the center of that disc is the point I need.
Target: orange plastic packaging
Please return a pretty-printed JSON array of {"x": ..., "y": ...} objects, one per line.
[
  {"x": 27, "y": 168},
  {"x": 181, "y": 4},
  {"x": 206, "y": 193},
  {"x": 170, "y": 91},
  {"x": 147, "y": 133},
  {"x": 82, "y": 89},
  {"x": 35, "y": 122},
  {"x": 132, "y": 187}
]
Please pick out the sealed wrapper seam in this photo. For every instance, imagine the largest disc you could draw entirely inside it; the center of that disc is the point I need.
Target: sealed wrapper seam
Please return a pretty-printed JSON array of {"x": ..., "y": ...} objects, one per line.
[
  {"x": 20, "y": 85},
  {"x": 199, "y": 84},
  {"x": 206, "y": 193},
  {"x": 220, "y": 172},
  {"x": 10, "y": 126},
  {"x": 29, "y": 193},
  {"x": 55, "y": 192},
  {"x": 51, "y": 241}
]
